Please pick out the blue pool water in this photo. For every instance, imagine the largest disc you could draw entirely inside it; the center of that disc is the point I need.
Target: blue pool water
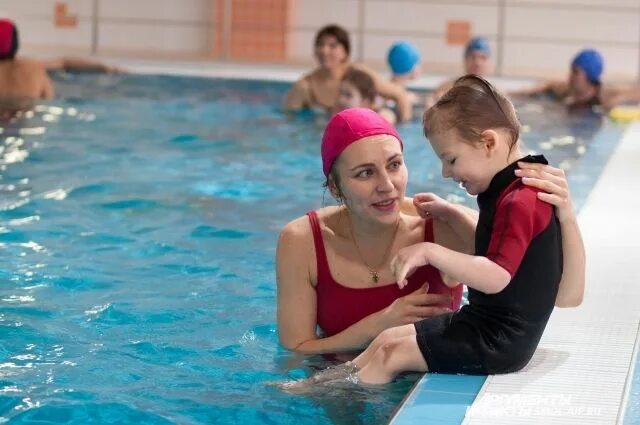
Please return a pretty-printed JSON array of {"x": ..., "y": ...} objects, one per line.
[{"x": 138, "y": 224}]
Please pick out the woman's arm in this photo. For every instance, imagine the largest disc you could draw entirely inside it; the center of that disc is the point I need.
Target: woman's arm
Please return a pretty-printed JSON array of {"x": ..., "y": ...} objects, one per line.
[
  {"x": 556, "y": 192},
  {"x": 614, "y": 95},
  {"x": 461, "y": 219},
  {"x": 390, "y": 90},
  {"x": 79, "y": 64},
  {"x": 437, "y": 93},
  {"x": 299, "y": 96},
  {"x": 397, "y": 93},
  {"x": 558, "y": 88},
  {"x": 297, "y": 301}
]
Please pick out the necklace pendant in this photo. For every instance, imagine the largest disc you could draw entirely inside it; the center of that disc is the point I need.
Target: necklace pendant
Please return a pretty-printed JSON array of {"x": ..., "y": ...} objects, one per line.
[{"x": 374, "y": 276}]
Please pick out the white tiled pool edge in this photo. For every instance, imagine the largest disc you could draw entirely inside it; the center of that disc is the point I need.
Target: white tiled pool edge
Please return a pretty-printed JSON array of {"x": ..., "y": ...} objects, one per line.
[{"x": 582, "y": 368}]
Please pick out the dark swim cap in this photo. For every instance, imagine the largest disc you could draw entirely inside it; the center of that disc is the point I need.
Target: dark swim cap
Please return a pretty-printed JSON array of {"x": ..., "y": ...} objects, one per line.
[
  {"x": 591, "y": 62},
  {"x": 8, "y": 39}
]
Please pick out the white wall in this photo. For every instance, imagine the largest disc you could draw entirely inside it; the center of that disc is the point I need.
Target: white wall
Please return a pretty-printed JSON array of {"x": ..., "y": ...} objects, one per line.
[
  {"x": 171, "y": 28},
  {"x": 528, "y": 37}
]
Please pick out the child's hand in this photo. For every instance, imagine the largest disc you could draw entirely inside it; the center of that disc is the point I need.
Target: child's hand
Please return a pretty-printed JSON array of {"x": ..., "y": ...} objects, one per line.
[
  {"x": 430, "y": 204},
  {"x": 407, "y": 260}
]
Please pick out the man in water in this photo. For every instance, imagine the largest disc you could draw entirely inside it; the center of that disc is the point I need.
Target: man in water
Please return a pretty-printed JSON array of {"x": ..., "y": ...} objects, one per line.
[{"x": 584, "y": 88}]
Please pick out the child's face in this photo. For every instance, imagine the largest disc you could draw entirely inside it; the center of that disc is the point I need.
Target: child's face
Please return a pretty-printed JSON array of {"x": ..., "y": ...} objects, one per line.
[
  {"x": 350, "y": 97},
  {"x": 470, "y": 165}
]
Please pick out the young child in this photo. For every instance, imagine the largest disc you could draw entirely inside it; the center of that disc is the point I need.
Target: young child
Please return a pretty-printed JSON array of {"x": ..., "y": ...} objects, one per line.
[
  {"x": 403, "y": 59},
  {"x": 513, "y": 276},
  {"x": 358, "y": 90}
]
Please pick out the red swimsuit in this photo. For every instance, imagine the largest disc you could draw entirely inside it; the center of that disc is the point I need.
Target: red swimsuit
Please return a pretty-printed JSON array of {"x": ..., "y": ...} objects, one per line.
[{"x": 340, "y": 306}]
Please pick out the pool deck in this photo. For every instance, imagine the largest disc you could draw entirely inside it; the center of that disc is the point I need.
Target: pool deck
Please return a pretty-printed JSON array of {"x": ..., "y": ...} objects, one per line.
[{"x": 582, "y": 370}]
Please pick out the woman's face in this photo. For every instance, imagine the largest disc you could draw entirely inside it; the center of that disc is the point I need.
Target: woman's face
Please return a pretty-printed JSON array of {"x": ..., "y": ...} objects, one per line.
[
  {"x": 329, "y": 52},
  {"x": 373, "y": 178}
]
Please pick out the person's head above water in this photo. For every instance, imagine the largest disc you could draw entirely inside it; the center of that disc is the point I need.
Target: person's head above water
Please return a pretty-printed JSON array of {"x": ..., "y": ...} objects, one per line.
[
  {"x": 591, "y": 63},
  {"x": 332, "y": 46},
  {"x": 473, "y": 129},
  {"x": 403, "y": 59},
  {"x": 8, "y": 39},
  {"x": 362, "y": 161},
  {"x": 477, "y": 57},
  {"x": 357, "y": 89}
]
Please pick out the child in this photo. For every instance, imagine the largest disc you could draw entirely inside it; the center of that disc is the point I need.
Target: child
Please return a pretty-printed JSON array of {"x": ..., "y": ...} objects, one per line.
[
  {"x": 514, "y": 275},
  {"x": 358, "y": 90},
  {"x": 403, "y": 59}
]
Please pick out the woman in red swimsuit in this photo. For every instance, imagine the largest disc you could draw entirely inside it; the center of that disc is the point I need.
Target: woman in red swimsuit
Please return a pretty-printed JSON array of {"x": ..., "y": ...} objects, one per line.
[{"x": 336, "y": 292}]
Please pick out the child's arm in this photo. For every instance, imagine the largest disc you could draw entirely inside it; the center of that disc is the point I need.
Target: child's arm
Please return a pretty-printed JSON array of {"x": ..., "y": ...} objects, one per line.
[
  {"x": 461, "y": 219},
  {"x": 519, "y": 217},
  {"x": 476, "y": 272}
]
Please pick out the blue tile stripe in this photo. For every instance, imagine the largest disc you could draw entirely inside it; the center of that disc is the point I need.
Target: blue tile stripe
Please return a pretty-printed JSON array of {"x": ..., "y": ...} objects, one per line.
[{"x": 439, "y": 399}]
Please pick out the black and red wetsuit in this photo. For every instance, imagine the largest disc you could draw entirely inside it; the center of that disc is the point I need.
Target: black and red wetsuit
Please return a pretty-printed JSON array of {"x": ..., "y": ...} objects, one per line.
[{"x": 498, "y": 333}]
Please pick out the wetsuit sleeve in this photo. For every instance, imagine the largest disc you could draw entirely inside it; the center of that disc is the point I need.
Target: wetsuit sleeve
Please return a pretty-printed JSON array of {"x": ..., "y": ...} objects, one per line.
[{"x": 520, "y": 217}]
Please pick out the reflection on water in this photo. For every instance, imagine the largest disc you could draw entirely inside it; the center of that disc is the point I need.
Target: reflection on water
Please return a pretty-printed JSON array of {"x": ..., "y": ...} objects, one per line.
[{"x": 138, "y": 223}]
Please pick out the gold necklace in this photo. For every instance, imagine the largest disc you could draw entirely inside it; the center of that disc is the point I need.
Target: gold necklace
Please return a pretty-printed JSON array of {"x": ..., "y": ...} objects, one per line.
[{"x": 373, "y": 271}]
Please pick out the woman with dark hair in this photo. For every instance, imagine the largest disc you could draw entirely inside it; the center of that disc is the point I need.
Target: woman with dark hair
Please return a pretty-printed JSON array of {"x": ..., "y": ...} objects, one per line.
[{"x": 320, "y": 88}]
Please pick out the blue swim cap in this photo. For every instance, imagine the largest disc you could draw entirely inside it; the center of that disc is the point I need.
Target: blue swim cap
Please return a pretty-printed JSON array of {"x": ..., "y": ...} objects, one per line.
[
  {"x": 479, "y": 44},
  {"x": 591, "y": 62},
  {"x": 403, "y": 57}
]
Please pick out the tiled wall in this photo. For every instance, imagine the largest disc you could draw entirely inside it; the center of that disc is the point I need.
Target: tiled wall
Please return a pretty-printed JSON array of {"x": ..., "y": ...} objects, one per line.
[{"x": 529, "y": 37}]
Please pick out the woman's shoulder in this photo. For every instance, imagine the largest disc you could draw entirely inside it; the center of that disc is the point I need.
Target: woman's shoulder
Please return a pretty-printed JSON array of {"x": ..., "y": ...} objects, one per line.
[{"x": 301, "y": 226}]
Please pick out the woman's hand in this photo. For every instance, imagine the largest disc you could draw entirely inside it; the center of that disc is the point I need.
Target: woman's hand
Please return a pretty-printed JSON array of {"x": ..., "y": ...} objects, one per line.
[
  {"x": 413, "y": 307},
  {"x": 554, "y": 184},
  {"x": 407, "y": 260},
  {"x": 431, "y": 205}
]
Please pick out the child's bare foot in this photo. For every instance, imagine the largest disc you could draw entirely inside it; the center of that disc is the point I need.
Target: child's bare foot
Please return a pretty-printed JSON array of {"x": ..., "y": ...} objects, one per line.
[{"x": 345, "y": 371}]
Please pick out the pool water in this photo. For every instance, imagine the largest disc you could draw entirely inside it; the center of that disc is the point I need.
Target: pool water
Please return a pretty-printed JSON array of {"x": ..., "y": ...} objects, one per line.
[{"x": 138, "y": 224}]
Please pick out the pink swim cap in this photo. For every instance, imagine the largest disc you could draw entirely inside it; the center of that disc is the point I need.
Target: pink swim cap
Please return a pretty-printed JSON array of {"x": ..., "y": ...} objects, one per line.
[
  {"x": 8, "y": 39},
  {"x": 349, "y": 126}
]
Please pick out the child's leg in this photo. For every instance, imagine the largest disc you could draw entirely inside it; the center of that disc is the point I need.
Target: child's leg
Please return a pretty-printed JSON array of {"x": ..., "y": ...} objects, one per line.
[
  {"x": 392, "y": 358},
  {"x": 387, "y": 335}
]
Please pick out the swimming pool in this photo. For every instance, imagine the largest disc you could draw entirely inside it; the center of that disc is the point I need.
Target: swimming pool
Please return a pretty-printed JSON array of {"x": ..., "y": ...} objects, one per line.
[{"x": 138, "y": 223}]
